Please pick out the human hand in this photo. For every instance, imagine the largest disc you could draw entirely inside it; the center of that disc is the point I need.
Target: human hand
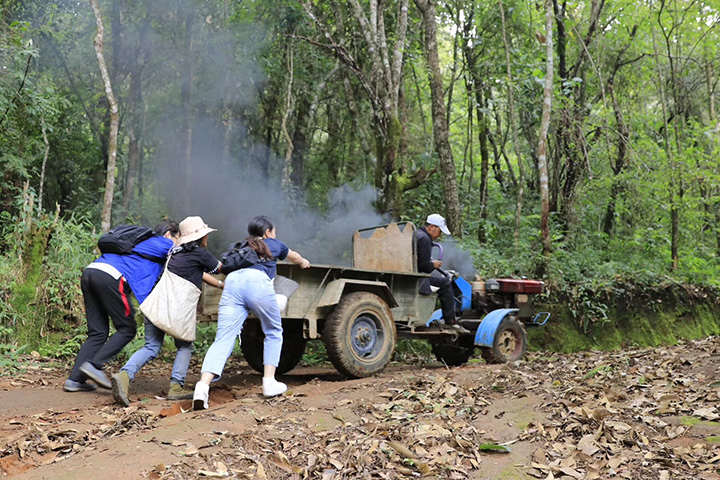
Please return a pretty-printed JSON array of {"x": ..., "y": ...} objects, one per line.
[
  {"x": 304, "y": 263},
  {"x": 437, "y": 263}
]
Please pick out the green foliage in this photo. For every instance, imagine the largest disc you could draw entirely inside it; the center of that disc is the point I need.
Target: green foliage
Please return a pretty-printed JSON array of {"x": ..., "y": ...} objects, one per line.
[
  {"x": 10, "y": 360},
  {"x": 413, "y": 351},
  {"x": 205, "y": 336},
  {"x": 239, "y": 76},
  {"x": 63, "y": 345},
  {"x": 40, "y": 275},
  {"x": 315, "y": 354}
]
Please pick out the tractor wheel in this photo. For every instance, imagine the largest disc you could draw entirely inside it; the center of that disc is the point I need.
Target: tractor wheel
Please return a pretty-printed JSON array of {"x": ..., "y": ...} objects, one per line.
[
  {"x": 359, "y": 335},
  {"x": 509, "y": 343},
  {"x": 453, "y": 354},
  {"x": 293, "y": 348}
]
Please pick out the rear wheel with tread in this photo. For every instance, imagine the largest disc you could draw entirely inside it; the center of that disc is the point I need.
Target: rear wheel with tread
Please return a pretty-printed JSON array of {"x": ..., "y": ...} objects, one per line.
[
  {"x": 293, "y": 348},
  {"x": 359, "y": 335}
]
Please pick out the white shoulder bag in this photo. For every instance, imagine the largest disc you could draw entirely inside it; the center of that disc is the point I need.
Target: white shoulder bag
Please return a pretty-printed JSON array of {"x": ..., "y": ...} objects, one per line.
[{"x": 172, "y": 305}]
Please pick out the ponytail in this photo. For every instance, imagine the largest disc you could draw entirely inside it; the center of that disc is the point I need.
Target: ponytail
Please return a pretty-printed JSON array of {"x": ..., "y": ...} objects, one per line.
[
  {"x": 257, "y": 228},
  {"x": 260, "y": 247}
]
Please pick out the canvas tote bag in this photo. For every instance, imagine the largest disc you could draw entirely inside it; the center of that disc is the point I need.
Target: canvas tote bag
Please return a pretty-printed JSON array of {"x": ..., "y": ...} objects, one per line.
[{"x": 172, "y": 305}]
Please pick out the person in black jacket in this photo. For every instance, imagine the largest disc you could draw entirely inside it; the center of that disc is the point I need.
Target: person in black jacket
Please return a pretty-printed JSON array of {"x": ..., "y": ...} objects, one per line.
[{"x": 435, "y": 226}]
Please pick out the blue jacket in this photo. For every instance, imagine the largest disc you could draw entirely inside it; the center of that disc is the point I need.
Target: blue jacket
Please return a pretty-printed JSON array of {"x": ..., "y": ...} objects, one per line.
[{"x": 140, "y": 272}]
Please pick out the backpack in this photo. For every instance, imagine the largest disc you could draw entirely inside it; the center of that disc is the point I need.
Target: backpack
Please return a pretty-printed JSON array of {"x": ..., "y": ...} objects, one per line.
[
  {"x": 123, "y": 238},
  {"x": 240, "y": 255}
]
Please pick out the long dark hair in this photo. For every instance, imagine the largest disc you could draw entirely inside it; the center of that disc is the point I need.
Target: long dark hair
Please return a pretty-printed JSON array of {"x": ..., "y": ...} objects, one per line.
[
  {"x": 257, "y": 228},
  {"x": 167, "y": 225}
]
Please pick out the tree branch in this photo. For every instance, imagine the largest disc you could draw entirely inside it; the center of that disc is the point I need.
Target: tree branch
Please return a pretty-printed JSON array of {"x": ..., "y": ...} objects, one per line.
[{"x": 17, "y": 94}]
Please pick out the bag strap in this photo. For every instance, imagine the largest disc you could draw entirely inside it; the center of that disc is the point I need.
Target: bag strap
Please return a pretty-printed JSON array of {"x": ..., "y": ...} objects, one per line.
[{"x": 167, "y": 262}]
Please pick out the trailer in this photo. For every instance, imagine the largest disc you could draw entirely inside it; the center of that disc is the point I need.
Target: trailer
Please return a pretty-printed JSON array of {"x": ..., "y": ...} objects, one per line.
[{"x": 360, "y": 312}]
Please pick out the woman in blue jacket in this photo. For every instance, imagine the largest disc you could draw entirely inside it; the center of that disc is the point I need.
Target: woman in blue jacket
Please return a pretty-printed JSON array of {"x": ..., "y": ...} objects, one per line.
[{"x": 106, "y": 286}]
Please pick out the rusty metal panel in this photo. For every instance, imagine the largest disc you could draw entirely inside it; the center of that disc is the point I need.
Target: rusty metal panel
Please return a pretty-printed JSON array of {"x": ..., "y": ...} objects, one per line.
[
  {"x": 332, "y": 294},
  {"x": 387, "y": 249}
]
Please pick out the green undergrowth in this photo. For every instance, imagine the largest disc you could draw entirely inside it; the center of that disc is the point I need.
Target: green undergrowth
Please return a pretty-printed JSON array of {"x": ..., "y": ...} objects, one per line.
[{"x": 626, "y": 327}]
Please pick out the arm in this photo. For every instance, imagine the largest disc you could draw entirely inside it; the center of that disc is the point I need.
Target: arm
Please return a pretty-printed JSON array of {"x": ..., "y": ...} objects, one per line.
[
  {"x": 210, "y": 280},
  {"x": 295, "y": 257}
]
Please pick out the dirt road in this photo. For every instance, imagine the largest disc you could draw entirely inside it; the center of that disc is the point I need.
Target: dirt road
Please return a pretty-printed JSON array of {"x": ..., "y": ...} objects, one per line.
[{"x": 635, "y": 414}]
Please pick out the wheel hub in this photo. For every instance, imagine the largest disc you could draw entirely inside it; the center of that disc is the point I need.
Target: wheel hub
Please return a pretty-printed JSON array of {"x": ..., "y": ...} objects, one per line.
[
  {"x": 365, "y": 336},
  {"x": 507, "y": 343}
]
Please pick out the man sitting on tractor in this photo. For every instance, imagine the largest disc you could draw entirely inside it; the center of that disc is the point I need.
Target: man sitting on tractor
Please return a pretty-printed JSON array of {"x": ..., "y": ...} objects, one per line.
[{"x": 434, "y": 227}]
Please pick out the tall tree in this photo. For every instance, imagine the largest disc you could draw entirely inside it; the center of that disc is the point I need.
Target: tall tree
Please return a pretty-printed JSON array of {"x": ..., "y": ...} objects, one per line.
[
  {"x": 544, "y": 126},
  {"x": 513, "y": 127},
  {"x": 620, "y": 163},
  {"x": 476, "y": 86},
  {"x": 106, "y": 218},
  {"x": 440, "y": 123},
  {"x": 136, "y": 64},
  {"x": 571, "y": 158},
  {"x": 187, "y": 104},
  {"x": 380, "y": 77}
]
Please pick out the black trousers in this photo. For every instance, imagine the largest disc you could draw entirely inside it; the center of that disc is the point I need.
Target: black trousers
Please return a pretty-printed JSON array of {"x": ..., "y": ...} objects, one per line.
[
  {"x": 105, "y": 299},
  {"x": 445, "y": 294}
]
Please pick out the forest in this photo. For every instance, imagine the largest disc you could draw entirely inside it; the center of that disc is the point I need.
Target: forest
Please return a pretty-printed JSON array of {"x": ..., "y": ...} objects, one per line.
[{"x": 573, "y": 141}]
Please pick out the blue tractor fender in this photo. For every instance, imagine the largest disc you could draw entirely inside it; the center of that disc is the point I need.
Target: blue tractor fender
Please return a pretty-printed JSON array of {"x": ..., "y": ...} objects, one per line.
[
  {"x": 435, "y": 317},
  {"x": 465, "y": 300},
  {"x": 485, "y": 334},
  {"x": 465, "y": 293}
]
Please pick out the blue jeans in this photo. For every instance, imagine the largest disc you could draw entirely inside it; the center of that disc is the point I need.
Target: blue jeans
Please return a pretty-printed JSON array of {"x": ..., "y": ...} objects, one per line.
[
  {"x": 153, "y": 343},
  {"x": 245, "y": 290}
]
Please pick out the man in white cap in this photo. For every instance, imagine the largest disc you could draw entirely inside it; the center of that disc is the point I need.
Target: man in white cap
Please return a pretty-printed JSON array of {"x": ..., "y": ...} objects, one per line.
[{"x": 435, "y": 226}]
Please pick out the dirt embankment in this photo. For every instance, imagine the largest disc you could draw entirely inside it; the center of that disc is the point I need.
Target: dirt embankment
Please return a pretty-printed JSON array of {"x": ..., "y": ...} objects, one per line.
[{"x": 635, "y": 414}]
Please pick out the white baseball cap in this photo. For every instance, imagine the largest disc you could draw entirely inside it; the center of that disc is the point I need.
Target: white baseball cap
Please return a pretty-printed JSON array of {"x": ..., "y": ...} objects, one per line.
[{"x": 439, "y": 222}]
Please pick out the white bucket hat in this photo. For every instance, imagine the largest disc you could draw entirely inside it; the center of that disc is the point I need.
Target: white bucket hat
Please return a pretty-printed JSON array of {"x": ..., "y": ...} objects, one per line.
[
  {"x": 433, "y": 219},
  {"x": 193, "y": 228}
]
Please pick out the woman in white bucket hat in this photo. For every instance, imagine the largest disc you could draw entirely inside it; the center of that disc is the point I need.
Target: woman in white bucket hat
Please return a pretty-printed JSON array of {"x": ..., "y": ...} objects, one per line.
[{"x": 191, "y": 261}]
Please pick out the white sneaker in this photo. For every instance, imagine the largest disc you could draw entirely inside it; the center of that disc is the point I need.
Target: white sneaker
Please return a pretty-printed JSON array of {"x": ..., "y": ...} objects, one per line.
[
  {"x": 201, "y": 395},
  {"x": 272, "y": 387}
]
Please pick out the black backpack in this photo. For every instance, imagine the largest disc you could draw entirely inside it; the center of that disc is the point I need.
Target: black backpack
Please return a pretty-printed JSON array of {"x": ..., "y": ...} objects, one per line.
[
  {"x": 123, "y": 238},
  {"x": 240, "y": 255}
]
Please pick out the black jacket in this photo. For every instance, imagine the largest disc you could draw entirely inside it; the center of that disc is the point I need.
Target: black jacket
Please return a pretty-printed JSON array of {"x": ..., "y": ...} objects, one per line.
[{"x": 424, "y": 251}]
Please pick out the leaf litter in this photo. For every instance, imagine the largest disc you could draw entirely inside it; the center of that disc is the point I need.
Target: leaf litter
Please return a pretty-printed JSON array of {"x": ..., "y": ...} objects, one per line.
[{"x": 640, "y": 413}]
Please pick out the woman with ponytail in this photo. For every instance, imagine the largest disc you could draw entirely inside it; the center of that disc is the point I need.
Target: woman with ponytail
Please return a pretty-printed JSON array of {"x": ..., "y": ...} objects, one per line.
[{"x": 250, "y": 289}]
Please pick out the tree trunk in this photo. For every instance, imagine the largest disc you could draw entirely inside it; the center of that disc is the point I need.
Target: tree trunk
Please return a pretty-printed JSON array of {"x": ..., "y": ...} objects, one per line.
[
  {"x": 186, "y": 98},
  {"x": 300, "y": 142},
  {"x": 287, "y": 165},
  {"x": 106, "y": 218},
  {"x": 668, "y": 151},
  {"x": 380, "y": 77},
  {"x": 136, "y": 115},
  {"x": 440, "y": 126},
  {"x": 513, "y": 129},
  {"x": 116, "y": 42},
  {"x": 623, "y": 137},
  {"x": 709, "y": 79},
  {"x": 44, "y": 164},
  {"x": 544, "y": 126},
  {"x": 570, "y": 157},
  {"x": 475, "y": 89}
]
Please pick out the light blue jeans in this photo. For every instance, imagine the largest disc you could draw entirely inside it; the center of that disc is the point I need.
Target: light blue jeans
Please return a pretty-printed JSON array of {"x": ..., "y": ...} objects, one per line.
[
  {"x": 153, "y": 343},
  {"x": 245, "y": 290}
]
